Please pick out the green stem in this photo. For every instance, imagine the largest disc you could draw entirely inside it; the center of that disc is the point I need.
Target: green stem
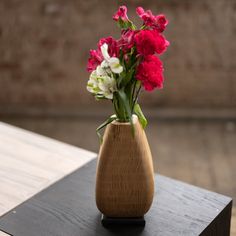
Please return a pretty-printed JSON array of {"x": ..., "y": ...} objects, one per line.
[
  {"x": 136, "y": 97},
  {"x": 119, "y": 110},
  {"x": 132, "y": 97}
]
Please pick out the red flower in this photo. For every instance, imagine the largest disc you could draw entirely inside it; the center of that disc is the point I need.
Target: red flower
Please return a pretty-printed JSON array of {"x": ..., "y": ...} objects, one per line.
[
  {"x": 158, "y": 22},
  {"x": 149, "y": 42},
  {"x": 161, "y": 42},
  {"x": 94, "y": 60},
  {"x": 147, "y": 16},
  {"x": 127, "y": 40},
  {"x": 150, "y": 73},
  {"x": 113, "y": 48},
  {"x": 96, "y": 57},
  {"x": 121, "y": 14},
  {"x": 161, "y": 22}
]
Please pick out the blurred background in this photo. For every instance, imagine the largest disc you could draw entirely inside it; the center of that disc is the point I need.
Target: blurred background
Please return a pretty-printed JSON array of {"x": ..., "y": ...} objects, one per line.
[{"x": 44, "y": 47}]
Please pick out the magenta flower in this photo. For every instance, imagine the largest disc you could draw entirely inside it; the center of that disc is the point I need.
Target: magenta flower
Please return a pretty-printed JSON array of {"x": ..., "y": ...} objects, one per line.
[
  {"x": 96, "y": 56},
  {"x": 113, "y": 48},
  {"x": 94, "y": 60},
  {"x": 161, "y": 22},
  {"x": 158, "y": 22},
  {"x": 150, "y": 73},
  {"x": 121, "y": 14},
  {"x": 126, "y": 42},
  {"x": 149, "y": 42}
]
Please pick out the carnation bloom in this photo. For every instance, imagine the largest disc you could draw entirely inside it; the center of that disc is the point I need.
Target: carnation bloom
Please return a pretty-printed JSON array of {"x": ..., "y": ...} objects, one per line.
[
  {"x": 94, "y": 60},
  {"x": 161, "y": 22},
  {"x": 121, "y": 14},
  {"x": 149, "y": 42},
  {"x": 96, "y": 56},
  {"x": 158, "y": 22},
  {"x": 113, "y": 48},
  {"x": 126, "y": 41},
  {"x": 161, "y": 42},
  {"x": 150, "y": 73}
]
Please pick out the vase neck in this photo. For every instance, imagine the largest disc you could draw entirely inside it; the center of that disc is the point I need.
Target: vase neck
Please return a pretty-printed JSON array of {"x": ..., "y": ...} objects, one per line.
[{"x": 119, "y": 122}]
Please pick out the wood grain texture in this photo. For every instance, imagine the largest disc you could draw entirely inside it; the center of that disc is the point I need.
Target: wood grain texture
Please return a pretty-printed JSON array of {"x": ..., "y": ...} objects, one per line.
[
  {"x": 30, "y": 162},
  {"x": 181, "y": 148},
  {"x": 125, "y": 175},
  {"x": 68, "y": 208}
]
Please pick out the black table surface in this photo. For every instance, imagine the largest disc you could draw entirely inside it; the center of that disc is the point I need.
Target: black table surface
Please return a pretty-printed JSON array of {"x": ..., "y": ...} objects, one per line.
[{"x": 67, "y": 208}]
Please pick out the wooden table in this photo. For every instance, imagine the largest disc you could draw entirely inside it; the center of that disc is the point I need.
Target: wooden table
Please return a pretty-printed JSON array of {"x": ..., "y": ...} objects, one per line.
[{"x": 47, "y": 188}]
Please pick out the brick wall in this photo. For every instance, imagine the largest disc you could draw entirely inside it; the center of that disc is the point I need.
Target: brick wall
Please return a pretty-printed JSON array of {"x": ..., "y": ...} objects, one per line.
[{"x": 44, "y": 46}]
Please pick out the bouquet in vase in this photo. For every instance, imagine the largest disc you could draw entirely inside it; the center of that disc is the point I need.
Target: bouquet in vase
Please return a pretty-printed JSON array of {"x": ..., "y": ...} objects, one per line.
[{"x": 121, "y": 68}]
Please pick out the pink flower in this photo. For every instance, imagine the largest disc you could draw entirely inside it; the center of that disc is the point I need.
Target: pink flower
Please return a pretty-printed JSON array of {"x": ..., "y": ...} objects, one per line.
[
  {"x": 140, "y": 11},
  {"x": 150, "y": 73},
  {"x": 145, "y": 42},
  {"x": 149, "y": 42},
  {"x": 113, "y": 49},
  {"x": 96, "y": 57},
  {"x": 147, "y": 16},
  {"x": 121, "y": 14},
  {"x": 161, "y": 42},
  {"x": 126, "y": 41},
  {"x": 158, "y": 22},
  {"x": 161, "y": 22},
  {"x": 94, "y": 60}
]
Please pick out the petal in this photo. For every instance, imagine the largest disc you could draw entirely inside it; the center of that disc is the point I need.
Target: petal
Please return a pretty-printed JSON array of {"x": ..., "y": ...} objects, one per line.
[
  {"x": 115, "y": 66},
  {"x": 100, "y": 71},
  {"x": 108, "y": 95},
  {"x": 104, "y": 64},
  {"x": 140, "y": 11},
  {"x": 117, "y": 70},
  {"x": 102, "y": 86},
  {"x": 89, "y": 88},
  {"x": 113, "y": 60},
  {"x": 104, "y": 50}
]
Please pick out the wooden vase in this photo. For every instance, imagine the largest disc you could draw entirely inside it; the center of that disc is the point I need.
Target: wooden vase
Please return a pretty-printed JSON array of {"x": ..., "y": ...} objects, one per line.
[{"x": 125, "y": 176}]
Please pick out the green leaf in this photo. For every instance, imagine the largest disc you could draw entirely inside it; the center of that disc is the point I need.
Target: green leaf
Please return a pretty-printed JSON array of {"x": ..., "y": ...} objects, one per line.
[
  {"x": 104, "y": 124},
  {"x": 141, "y": 117},
  {"x": 126, "y": 24},
  {"x": 121, "y": 79},
  {"x": 128, "y": 77}
]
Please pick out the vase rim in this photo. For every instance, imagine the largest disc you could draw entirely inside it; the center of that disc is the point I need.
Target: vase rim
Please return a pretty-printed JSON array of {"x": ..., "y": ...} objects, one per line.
[{"x": 117, "y": 122}]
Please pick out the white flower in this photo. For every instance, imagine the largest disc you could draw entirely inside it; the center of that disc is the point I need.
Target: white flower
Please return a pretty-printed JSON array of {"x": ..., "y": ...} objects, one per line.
[
  {"x": 100, "y": 71},
  {"x": 104, "y": 50},
  {"x": 108, "y": 86},
  {"x": 102, "y": 85},
  {"x": 101, "y": 82},
  {"x": 111, "y": 62},
  {"x": 115, "y": 66},
  {"x": 92, "y": 83}
]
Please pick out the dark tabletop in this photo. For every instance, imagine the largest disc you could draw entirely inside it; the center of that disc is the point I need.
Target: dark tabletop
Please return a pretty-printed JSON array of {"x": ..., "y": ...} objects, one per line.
[{"x": 67, "y": 208}]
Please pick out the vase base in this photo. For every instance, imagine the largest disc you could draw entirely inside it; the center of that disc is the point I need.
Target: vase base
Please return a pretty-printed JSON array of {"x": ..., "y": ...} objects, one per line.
[{"x": 116, "y": 221}]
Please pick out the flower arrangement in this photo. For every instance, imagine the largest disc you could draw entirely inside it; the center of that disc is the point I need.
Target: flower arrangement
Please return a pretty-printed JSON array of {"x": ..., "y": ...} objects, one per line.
[{"x": 121, "y": 68}]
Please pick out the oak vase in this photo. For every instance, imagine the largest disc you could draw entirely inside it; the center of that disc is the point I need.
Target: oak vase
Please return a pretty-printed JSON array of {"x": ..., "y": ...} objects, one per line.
[{"x": 125, "y": 176}]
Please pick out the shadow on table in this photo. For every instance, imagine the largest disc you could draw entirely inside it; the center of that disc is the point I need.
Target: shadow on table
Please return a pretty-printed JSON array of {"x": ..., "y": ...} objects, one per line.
[{"x": 124, "y": 230}]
